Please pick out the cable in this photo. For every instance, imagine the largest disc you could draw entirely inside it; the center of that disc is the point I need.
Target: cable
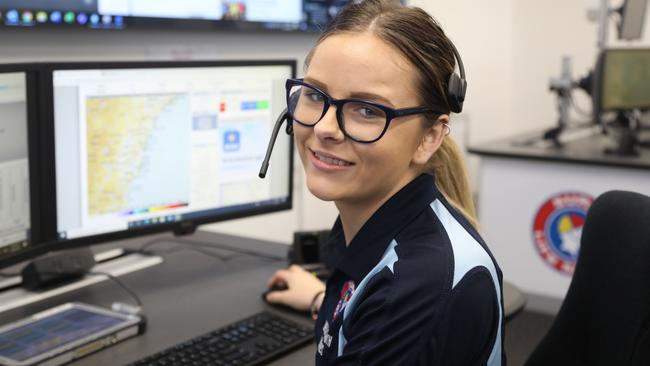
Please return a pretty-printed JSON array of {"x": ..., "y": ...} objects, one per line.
[
  {"x": 198, "y": 250},
  {"x": 236, "y": 250},
  {"x": 120, "y": 283},
  {"x": 92, "y": 273},
  {"x": 579, "y": 125},
  {"x": 153, "y": 242},
  {"x": 578, "y": 109}
]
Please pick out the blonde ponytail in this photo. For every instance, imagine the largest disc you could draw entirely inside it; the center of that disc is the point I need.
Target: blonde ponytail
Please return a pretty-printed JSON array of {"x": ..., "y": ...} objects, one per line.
[{"x": 448, "y": 166}]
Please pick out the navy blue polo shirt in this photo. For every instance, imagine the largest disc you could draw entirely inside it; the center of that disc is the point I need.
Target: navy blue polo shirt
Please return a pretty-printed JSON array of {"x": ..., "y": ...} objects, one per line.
[{"x": 416, "y": 286}]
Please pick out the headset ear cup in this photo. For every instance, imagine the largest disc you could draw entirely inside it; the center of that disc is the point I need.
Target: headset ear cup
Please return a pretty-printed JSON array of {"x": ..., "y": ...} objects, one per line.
[{"x": 456, "y": 88}]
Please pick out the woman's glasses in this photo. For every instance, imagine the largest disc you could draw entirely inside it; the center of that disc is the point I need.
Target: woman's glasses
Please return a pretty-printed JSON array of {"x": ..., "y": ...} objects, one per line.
[{"x": 361, "y": 121}]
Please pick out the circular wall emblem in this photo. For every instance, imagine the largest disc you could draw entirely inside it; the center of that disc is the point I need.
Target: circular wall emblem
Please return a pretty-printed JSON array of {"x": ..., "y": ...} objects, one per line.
[{"x": 557, "y": 229}]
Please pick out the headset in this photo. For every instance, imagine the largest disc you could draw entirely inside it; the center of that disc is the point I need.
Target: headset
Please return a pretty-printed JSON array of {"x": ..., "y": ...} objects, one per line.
[
  {"x": 457, "y": 84},
  {"x": 456, "y": 90}
]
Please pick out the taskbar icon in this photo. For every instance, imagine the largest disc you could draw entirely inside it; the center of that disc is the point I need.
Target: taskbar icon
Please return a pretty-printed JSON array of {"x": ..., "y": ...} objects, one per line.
[{"x": 30, "y": 18}]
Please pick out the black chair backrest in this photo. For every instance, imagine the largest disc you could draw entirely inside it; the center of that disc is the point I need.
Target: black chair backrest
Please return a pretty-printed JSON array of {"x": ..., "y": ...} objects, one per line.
[{"x": 605, "y": 317}]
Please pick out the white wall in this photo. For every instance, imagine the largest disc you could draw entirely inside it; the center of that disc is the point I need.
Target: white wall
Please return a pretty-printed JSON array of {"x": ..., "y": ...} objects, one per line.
[
  {"x": 72, "y": 45},
  {"x": 482, "y": 32}
]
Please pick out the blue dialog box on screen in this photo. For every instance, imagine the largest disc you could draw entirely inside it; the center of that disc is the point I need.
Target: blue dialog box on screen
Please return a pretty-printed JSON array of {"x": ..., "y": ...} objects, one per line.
[{"x": 231, "y": 141}]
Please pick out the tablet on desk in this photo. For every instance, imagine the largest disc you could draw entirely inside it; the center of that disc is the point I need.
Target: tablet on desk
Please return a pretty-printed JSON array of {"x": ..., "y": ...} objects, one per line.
[{"x": 64, "y": 333}]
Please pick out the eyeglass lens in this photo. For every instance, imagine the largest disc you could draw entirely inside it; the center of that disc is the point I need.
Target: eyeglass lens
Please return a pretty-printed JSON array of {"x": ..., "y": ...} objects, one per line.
[{"x": 359, "y": 120}]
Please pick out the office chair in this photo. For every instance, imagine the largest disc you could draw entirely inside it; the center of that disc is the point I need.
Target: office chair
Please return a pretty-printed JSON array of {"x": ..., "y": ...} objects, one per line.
[{"x": 605, "y": 317}]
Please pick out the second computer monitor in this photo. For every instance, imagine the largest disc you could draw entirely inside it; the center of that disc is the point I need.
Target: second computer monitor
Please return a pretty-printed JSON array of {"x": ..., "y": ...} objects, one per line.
[
  {"x": 624, "y": 79},
  {"x": 141, "y": 147},
  {"x": 15, "y": 222}
]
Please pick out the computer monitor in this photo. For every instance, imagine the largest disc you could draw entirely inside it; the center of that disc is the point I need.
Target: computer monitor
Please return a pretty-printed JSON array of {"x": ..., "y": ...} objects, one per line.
[
  {"x": 633, "y": 13},
  {"x": 288, "y": 15},
  {"x": 17, "y": 129},
  {"x": 146, "y": 147},
  {"x": 621, "y": 84},
  {"x": 622, "y": 80}
]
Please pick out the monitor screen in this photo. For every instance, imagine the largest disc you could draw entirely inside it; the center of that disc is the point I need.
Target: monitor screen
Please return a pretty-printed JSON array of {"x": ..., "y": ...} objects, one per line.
[
  {"x": 625, "y": 79},
  {"x": 306, "y": 15},
  {"x": 146, "y": 146},
  {"x": 14, "y": 167}
]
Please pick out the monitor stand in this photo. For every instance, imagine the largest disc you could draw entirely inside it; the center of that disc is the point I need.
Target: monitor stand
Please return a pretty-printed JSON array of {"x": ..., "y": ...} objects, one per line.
[
  {"x": 553, "y": 135},
  {"x": 644, "y": 141},
  {"x": 115, "y": 262},
  {"x": 627, "y": 144},
  {"x": 626, "y": 136}
]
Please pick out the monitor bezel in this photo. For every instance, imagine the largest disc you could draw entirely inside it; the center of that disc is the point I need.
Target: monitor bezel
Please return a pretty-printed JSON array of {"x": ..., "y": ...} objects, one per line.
[
  {"x": 37, "y": 237},
  {"x": 49, "y": 166}
]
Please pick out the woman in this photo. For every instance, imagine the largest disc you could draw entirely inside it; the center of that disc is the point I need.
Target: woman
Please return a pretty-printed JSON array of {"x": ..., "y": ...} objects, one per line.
[{"x": 412, "y": 283}]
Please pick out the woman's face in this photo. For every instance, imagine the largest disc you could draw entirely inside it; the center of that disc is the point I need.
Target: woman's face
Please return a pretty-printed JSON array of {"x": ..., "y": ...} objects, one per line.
[{"x": 338, "y": 169}]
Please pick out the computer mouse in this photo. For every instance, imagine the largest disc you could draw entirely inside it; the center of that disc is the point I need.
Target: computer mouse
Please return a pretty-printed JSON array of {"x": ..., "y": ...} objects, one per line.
[
  {"x": 278, "y": 286},
  {"x": 281, "y": 307}
]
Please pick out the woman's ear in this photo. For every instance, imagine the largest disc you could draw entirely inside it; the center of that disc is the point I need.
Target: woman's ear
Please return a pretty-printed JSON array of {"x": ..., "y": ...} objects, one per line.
[{"x": 431, "y": 140}]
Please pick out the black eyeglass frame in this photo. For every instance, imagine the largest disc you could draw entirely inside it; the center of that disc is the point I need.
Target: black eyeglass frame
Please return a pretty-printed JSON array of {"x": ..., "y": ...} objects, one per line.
[{"x": 391, "y": 113}]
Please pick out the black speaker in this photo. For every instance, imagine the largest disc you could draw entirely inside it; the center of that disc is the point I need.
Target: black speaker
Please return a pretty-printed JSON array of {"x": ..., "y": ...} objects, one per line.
[
  {"x": 57, "y": 267},
  {"x": 308, "y": 247}
]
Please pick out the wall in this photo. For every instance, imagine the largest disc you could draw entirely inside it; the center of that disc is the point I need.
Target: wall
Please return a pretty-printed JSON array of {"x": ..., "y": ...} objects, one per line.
[
  {"x": 69, "y": 45},
  {"x": 482, "y": 32}
]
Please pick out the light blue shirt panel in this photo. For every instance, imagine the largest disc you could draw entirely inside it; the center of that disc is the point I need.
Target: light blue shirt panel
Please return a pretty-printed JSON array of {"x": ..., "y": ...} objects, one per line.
[{"x": 468, "y": 254}]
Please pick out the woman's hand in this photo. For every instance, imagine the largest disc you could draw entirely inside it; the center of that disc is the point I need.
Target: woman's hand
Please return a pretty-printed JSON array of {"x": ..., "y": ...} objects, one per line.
[{"x": 301, "y": 285}]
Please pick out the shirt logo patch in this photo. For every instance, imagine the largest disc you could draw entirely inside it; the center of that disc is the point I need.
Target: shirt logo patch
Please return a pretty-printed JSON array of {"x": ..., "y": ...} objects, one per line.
[
  {"x": 325, "y": 339},
  {"x": 346, "y": 293},
  {"x": 557, "y": 229}
]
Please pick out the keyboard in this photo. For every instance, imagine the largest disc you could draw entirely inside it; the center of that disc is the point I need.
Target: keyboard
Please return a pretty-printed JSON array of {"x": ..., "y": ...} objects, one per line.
[{"x": 251, "y": 341}]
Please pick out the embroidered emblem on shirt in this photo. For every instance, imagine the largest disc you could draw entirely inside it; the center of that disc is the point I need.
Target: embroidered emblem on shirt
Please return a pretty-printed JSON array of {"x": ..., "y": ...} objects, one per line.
[
  {"x": 325, "y": 339},
  {"x": 346, "y": 294}
]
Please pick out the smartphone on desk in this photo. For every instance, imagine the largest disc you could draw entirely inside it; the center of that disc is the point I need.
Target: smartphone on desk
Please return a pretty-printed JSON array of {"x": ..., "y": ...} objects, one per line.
[{"x": 64, "y": 333}]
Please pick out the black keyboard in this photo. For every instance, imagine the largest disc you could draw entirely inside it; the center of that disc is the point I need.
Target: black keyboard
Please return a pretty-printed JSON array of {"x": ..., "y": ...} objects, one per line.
[{"x": 252, "y": 341}]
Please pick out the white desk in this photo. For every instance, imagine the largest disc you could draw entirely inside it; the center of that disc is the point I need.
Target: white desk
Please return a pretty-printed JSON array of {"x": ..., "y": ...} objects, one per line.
[{"x": 530, "y": 202}]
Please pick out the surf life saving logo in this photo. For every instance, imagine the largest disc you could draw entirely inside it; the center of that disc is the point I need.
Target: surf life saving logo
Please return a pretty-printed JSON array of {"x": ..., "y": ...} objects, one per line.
[
  {"x": 346, "y": 293},
  {"x": 557, "y": 229}
]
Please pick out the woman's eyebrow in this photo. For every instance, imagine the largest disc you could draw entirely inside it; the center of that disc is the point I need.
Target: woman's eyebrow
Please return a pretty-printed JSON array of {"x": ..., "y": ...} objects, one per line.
[
  {"x": 371, "y": 96},
  {"x": 355, "y": 94},
  {"x": 316, "y": 83}
]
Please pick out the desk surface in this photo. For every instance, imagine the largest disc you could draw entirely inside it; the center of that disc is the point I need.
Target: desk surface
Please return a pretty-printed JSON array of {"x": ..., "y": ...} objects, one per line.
[
  {"x": 585, "y": 149},
  {"x": 187, "y": 295},
  {"x": 190, "y": 294}
]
